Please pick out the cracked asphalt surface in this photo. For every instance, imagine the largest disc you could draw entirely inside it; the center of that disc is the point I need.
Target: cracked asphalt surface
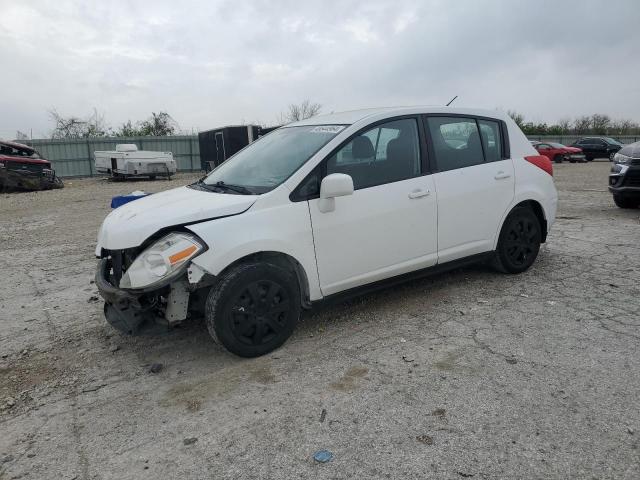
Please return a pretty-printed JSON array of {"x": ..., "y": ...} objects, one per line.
[{"x": 471, "y": 374}]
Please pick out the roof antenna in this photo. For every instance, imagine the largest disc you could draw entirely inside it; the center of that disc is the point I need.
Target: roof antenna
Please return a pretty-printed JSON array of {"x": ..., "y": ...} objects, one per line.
[{"x": 452, "y": 100}]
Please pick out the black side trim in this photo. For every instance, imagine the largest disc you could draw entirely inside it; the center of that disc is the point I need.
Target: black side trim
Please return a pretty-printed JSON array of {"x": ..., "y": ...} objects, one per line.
[{"x": 388, "y": 282}]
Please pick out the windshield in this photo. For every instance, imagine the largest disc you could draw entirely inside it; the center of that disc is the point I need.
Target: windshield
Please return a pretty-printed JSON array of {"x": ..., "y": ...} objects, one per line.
[
  {"x": 613, "y": 141},
  {"x": 556, "y": 145},
  {"x": 268, "y": 162},
  {"x": 16, "y": 151}
]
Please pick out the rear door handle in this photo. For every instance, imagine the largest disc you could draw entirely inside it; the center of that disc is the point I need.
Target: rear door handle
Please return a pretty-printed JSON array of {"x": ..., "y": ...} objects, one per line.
[
  {"x": 501, "y": 175},
  {"x": 419, "y": 192}
]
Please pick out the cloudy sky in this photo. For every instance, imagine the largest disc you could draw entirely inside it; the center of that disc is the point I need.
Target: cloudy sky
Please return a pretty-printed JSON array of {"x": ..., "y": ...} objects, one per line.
[{"x": 211, "y": 63}]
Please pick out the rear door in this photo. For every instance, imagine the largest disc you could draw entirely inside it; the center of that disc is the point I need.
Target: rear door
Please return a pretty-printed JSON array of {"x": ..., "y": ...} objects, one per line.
[{"x": 474, "y": 180}]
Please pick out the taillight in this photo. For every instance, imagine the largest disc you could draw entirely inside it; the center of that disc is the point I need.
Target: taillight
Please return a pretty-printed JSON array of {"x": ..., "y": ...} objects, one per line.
[{"x": 542, "y": 162}]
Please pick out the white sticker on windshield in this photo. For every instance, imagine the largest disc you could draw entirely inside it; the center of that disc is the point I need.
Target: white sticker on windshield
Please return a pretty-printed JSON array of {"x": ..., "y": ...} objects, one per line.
[{"x": 328, "y": 129}]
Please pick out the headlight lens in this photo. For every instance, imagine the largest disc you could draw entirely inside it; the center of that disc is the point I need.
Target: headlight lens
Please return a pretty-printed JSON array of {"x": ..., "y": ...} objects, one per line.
[
  {"x": 162, "y": 260},
  {"x": 620, "y": 158}
]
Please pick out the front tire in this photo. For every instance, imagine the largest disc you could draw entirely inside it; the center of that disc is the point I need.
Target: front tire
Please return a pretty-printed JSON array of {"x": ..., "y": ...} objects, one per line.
[
  {"x": 623, "y": 202},
  {"x": 519, "y": 241},
  {"x": 253, "y": 309}
]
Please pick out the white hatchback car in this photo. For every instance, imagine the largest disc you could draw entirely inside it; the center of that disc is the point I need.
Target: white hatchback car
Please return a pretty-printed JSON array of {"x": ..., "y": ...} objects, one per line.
[{"x": 321, "y": 207}]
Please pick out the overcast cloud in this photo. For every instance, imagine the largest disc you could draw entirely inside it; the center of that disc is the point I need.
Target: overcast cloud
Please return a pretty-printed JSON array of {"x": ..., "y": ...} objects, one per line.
[{"x": 215, "y": 63}]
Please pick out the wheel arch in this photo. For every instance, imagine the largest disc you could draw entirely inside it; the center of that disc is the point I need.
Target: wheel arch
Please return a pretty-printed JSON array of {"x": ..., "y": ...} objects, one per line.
[
  {"x": 537, "y": 209},
  {"x": 282, "y": 260}
]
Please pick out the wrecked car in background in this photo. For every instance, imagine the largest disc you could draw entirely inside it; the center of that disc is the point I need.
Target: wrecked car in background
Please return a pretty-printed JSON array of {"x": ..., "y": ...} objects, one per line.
[{"x": 22, "y": 168}]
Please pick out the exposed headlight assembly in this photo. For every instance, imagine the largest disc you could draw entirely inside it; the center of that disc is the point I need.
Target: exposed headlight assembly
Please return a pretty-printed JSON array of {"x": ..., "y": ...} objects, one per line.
[{"x": 162, "y": 261}]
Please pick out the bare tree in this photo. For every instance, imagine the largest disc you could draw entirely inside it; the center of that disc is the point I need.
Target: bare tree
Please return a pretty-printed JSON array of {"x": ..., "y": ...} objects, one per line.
[
  {"x": 21, "y": 136},
  {"x": 600, "y": 123},
  {"x": 516, "y": 117},
  {"x": 75, "y": 127},
  {"x": 301, "y": 111},
  {"x": 623, "y": 127},
  {"x": 582, "y": 124},
  {"x": 564, "y": 124}
]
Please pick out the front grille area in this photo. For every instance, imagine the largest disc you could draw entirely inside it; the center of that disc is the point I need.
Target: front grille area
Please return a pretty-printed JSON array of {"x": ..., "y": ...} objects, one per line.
[
  {"x": 119, "y": 261},
  {"x": 632, "y": 178}
]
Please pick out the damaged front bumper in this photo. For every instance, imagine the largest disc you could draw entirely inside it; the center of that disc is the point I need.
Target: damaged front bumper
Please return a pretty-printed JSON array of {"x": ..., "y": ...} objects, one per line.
[
  {"x": 125, "y": 311},
  {"x": 132, "y": 311}
]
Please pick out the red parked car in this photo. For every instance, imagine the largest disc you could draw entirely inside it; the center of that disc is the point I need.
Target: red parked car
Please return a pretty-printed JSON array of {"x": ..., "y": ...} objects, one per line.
[
  {"x": 558, "y": 152},
  {"x": 22, "y": 168}
]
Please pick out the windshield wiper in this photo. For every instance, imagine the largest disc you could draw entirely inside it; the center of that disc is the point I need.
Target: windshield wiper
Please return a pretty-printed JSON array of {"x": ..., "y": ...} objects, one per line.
[{"x": 234, "y": 188}]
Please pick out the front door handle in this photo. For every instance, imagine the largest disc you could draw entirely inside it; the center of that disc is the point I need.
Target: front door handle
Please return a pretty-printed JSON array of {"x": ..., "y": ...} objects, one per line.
[
  {"x": 501, "y": 175},
  {"x": 419, "y": 192}
]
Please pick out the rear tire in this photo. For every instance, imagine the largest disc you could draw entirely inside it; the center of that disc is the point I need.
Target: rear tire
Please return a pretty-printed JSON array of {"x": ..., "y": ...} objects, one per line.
[
  {"x": 253, "y": 309},
  {"x": 557, "y": 159},
  {"x": 623, "y": 202},
  {"x": 519, "y": 241}
]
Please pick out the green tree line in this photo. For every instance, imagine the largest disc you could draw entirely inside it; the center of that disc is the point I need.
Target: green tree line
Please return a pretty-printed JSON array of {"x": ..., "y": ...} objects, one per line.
[
  {"x": 94, "y": 125},
  {"x": 596, "y": 124}
]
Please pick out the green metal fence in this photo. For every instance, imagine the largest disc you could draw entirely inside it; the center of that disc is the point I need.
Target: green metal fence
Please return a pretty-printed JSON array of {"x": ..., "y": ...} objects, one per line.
[{"x": 74, "y": 158}]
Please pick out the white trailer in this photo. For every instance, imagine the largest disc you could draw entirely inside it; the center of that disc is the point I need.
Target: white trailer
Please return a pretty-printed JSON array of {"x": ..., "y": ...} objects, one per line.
[{"x": 127, "y": 161}]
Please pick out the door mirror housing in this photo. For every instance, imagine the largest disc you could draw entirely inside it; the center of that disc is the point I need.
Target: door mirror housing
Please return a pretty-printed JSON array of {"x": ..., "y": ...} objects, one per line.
[{"x": 332, "y": 186}]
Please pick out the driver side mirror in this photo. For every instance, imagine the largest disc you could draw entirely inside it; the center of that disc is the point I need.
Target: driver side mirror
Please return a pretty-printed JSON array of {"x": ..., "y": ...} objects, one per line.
[{"x": 334, "y": 185}]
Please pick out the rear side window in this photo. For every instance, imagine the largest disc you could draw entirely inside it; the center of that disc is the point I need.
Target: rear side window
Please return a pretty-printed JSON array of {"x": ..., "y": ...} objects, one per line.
[
  {"x": 456, "y": 142},
  {"x": 491, "y": 140}
]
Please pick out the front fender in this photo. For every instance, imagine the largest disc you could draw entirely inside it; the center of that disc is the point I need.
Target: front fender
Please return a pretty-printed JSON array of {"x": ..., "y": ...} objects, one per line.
[{"x": 284, "y": 229}]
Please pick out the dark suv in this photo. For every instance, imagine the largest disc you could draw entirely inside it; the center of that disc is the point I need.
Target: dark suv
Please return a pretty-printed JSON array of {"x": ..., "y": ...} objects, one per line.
[
  {"x": 598, "y": 147},
  {"x": 624, "y": 179}
]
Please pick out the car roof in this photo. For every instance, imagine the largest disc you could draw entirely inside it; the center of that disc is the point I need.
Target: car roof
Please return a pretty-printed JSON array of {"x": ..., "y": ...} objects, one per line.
[
  {"x": 16, "y": 145},
  {"x": 354, "y": 116}
]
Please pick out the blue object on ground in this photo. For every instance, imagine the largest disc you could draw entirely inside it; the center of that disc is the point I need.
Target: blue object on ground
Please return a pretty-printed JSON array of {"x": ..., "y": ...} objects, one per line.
[
  {"x": 120, "y": 200},
  {"x": 322, "y": 456}
]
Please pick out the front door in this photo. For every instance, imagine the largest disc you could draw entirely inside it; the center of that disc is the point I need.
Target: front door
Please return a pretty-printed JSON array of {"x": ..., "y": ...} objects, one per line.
[
  {"x": 388, "y": 226},
  {"x": 475, "y": 184}
]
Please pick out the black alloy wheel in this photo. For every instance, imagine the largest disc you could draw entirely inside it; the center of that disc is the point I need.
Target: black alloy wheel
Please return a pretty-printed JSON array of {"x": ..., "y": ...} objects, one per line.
[
  {"x": 254, "y": 308},
  {"x": 259, "y": 312},
  {"x": 519, "y": 241}
]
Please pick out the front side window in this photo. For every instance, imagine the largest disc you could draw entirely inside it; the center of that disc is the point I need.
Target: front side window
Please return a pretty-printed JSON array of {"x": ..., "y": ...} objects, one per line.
[
  {"x": 271, "y": 159},
  {"x": 456, "y": 142},
  {"x": 386, "y": 153}
]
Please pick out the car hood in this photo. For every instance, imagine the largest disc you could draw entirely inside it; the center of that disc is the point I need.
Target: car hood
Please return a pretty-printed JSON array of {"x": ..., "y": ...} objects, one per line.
[
  {"x": 131, "y": 224},
  {"x": 572, "y": 149}
]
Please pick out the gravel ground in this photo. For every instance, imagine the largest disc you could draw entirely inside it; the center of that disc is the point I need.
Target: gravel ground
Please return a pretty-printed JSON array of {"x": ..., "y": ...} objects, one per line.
[{"x": 471, "y": 374}]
